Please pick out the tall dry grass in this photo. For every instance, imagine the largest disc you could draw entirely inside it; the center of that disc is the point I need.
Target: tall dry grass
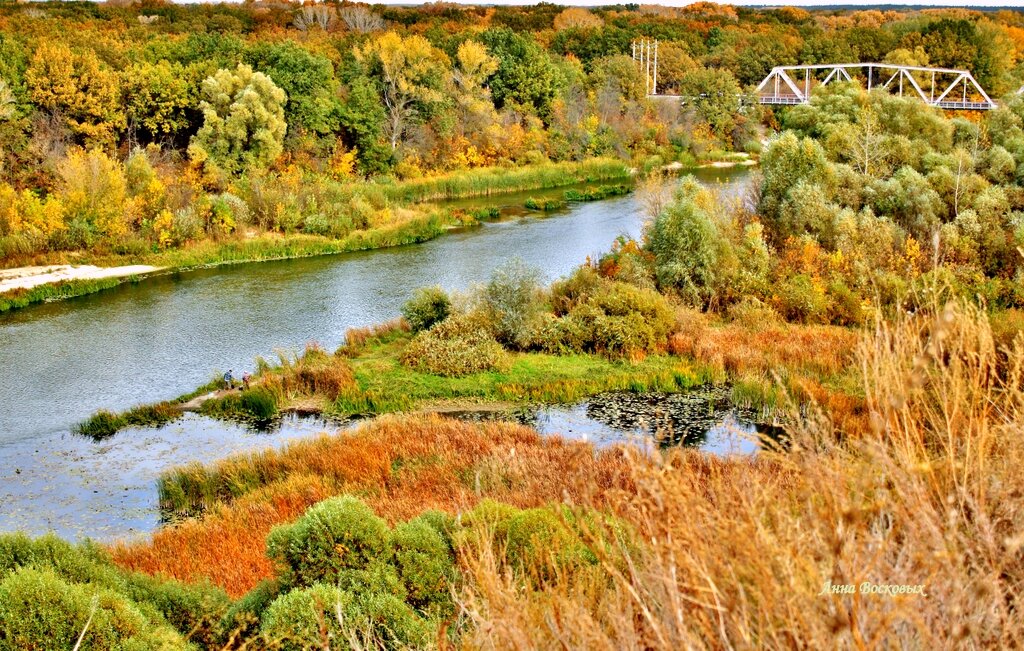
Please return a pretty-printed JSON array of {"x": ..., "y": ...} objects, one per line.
[{"x": 737, "y": 554}]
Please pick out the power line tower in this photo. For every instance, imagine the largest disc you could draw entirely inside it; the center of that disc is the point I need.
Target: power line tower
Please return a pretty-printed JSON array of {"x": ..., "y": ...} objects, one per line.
[{"x": 645, "y": 52}]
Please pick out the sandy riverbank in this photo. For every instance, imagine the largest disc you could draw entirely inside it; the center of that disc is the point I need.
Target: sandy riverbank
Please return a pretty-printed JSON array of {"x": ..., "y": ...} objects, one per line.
[{"x": 29, "y": 277}]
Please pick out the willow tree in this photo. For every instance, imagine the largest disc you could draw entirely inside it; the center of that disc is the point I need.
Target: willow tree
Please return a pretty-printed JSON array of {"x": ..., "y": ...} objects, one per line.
[{"x": 243, "y": 120}]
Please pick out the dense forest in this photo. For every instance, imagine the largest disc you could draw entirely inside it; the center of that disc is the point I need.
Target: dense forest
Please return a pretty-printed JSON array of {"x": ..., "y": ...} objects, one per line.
[{"x": 129, "y": 127}]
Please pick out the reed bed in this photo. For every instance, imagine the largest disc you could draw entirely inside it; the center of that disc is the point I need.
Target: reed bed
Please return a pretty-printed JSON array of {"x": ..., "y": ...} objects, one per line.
[{"x": 499, "y": 180}]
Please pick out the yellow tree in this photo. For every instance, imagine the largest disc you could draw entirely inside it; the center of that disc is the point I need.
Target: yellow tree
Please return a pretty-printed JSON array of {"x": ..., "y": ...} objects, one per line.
[
  {"x": 478, "y": 120},
  {"x": 412, "y": 74},
  {"x": 78, "y": 88}
]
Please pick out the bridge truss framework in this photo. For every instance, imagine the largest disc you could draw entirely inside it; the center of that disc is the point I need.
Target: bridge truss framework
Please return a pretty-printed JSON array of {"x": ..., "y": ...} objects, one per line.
[{"x": 962, "y": 93}]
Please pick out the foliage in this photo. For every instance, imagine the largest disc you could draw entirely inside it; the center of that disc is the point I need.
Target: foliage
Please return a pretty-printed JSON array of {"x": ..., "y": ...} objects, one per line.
[
  {"x": 511, "y": 299},
  {"x": 78, "y": 89},
  {"x": 428, "y": 306},
  {"x": 460, "y": 345},
  {"x": 243, "y": 120},
  {"x": 334, "y": 536}
]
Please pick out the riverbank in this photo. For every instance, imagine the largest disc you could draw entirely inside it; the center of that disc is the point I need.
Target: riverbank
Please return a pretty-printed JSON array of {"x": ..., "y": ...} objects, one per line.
[
  {"x": 415, "y": 220},
  {"x": 366, "y": 377}
]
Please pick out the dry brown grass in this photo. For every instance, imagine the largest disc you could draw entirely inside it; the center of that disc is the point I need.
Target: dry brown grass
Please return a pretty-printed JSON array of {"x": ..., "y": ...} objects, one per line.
[
  {"x": 356, "y": 338},
  {"x": 737, "y": 554},
  {"x": 817, "y": 350}
]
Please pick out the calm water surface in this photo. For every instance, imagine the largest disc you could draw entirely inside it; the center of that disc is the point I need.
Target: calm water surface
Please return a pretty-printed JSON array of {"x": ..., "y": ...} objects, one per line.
[{"x": 160, "y": 338}]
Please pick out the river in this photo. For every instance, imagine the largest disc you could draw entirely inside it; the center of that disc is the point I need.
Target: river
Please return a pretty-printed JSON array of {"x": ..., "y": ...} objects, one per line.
[{"x": 160, "y": 338}]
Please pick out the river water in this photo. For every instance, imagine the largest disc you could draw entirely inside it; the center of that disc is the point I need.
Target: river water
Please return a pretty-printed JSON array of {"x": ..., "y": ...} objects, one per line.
[{"x": 160, "y": 338}]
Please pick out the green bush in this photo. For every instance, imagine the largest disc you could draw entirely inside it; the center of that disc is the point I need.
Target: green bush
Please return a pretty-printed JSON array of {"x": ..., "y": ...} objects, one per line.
[
  {"x": 566, "y": 293},
  {"x": 309, "y": 618},
  {"x": 301, "y": 619},
  {"x": 194, "y": 609},
  {"x": 513, "y": 301},
  {"x": 242, "y": 620},
  {"x": 334, "y": 535},
  {"x": 801, "y": 299},
  {"x": 609, "y": 317},
  {"x": 459, "y": 345},
  {"x": 428, "y": 305},
  {"x": 39, "y": 610},
  {"x": 687, "y": 248},
  {"x": 425, "y": 563}
]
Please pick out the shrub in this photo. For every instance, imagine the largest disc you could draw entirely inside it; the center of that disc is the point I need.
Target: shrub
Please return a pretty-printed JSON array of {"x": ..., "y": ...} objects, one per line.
[
  {"x": 613, "y": 318},
  {"x": 425, "y": 563},
  {"x": 512, "y": 299},
  {"x": 38, "y": 610},
  {"x": 242, "y": 619},
  {"x": 687, "y": 247},
  {"x": 194, "y": 609},
  {"x": 459, "y": 345},
  {"x": 302, "y": 619},
  {"x": 428, "y": 305},
  {"x": 323, "y": 616},
  {"x": 334, "y": 535},
  {"x": 801, "y": 299},
  {"x": 567, "y": 292}
]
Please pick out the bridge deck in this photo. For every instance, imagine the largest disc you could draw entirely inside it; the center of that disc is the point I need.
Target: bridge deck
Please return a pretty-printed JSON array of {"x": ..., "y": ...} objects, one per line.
[{"x": 953, "y": 105}]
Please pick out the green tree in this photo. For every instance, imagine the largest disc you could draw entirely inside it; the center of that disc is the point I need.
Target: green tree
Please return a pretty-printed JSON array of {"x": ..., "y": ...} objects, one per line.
[
  {"x": 243, "y": 120},
  {"x": 786, "y": 162},
  {"x": 526, "y": 78},
  {"x": 306, "y": 78},
  {"x": 715, "y": 96}
]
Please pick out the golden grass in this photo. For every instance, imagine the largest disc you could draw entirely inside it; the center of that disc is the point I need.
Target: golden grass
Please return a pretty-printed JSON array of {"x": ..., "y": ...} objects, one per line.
[{"x": 738, "y": 554}]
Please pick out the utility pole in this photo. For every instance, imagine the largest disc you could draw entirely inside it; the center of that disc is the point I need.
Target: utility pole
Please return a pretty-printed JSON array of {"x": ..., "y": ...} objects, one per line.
[{"x": 654, "y": 90}]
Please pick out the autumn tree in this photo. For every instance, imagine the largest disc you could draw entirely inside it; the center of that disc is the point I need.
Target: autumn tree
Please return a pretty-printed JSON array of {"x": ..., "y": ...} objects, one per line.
[
  {"x": 75, "y": 87},
  {"x": 156, "y": 99},
  {"x": 477, "y": 116},
  {"x": 411, "y": 73},
  {"x": 243, "y": 120}
]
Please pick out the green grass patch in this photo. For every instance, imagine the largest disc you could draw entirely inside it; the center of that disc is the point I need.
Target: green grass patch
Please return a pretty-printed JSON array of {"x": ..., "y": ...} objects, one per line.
[
  {"x": 19, "y": 298},
  {"x": 104, "y": 424},
  {"x": 386, "y": 385}
]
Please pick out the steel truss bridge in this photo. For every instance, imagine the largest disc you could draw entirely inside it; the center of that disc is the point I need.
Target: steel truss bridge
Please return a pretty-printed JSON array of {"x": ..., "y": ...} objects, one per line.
[{"x": 941, "y": 87}]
